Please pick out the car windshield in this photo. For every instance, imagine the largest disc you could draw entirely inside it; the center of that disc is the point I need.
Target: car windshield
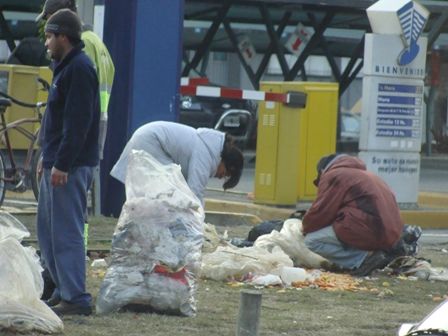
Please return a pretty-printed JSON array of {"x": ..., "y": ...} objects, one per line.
[
  {"x": 436, "y": 322},
  {"x": 437, "y": 319}
]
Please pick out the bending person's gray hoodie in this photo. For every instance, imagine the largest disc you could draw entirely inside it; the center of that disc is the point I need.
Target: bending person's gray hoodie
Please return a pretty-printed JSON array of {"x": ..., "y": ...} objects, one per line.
[{"x": 198, "y": 152}]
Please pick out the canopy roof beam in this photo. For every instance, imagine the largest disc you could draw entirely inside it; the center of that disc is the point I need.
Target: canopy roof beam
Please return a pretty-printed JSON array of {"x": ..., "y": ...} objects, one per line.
[{"x": 201, "y": 51}]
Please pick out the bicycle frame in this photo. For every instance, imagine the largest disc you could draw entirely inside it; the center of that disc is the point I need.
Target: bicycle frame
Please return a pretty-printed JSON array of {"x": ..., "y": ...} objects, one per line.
[
  {"x": 18, "y": 125},
  {"x": 15, "y": 176}
]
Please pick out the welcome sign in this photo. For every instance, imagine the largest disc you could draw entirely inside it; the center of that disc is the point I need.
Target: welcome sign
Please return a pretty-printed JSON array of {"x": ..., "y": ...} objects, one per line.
[{"x": 393, "y": 107}]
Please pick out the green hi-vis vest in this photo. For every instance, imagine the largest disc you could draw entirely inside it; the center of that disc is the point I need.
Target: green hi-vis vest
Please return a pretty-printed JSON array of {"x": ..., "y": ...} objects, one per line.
[{"x": 98, "y": 53}]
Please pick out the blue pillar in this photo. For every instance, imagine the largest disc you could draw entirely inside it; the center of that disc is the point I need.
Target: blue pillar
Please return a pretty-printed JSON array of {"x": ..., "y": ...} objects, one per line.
[{"x": 144, "y": 38}]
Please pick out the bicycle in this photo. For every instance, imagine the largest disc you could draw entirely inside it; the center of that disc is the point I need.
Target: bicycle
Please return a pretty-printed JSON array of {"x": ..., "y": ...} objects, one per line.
[{"x": 14, "y": 176}]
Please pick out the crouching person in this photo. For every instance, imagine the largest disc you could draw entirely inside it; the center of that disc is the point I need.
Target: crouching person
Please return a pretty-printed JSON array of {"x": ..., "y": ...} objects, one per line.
[{"x": 355, "y": 217}]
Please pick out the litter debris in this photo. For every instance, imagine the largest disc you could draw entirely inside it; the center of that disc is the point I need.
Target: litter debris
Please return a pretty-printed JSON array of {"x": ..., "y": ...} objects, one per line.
[
  {"x": 385, "y": 292},
  {"x": 333, "y": 282},
  {"x": 156, "y": 247},
  {"x": 229, "y": 262},
  {"x": 290, "y": 239},
  {"x": 264, "y": 228},
  {"x": 417, "y": 267},
  {"x": 293, "y": 274},
  {"x": 437, "y": 298},
  {"x": 239, "y": 242},
  {"x": 267, "y": 280},
  {"x": 21, "y": 284},
  {"x": 211, "y": 238},
  {"x": 99, "y": 263}
]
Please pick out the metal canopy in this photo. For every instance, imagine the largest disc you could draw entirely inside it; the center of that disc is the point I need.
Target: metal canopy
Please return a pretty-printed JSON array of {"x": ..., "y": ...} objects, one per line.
[
  {"x": 15, "y": 29},
  {"x": 32, "y": 6},
  {"x": 339, "y": 28},
  {"x": 217, "y": 25}
]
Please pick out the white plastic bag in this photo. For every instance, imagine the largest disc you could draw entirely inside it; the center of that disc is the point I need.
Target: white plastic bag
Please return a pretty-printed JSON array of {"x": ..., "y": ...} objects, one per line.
[
  {"x": 211, "y": 238},
  {"x": 156, "y": 247},
  {"x": 230, "y": 262},
  {"x": 11, "y": 227},
  {"x": 21, "y": 283},
  {"x": 290, "y": 239},
  {"x": 293, "y": 274},
  {"x": 266, "y": 280}
]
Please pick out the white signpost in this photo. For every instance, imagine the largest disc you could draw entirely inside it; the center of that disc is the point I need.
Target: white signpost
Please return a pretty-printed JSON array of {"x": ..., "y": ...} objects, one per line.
[{"x": 394, "y": 69}]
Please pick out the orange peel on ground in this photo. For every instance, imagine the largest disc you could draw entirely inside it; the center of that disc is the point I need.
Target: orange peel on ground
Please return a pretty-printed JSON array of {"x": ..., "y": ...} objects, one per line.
[{"x": 333, "y": 282}]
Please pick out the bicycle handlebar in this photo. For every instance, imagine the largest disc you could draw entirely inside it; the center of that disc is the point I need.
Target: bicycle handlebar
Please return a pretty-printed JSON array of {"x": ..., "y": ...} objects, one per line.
[{"x": 21, "y": 103}]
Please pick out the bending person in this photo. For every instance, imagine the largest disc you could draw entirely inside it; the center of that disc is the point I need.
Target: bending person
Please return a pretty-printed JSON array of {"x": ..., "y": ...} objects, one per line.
[
  {"x": 355, "y": 217},
  {"x": 201, "y": 153}
]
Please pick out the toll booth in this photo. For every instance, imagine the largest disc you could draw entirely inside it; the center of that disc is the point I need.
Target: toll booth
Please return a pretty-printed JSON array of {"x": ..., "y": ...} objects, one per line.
[
  {"x": 290, "y": 141},
  {"x": 20, "y": 82}
]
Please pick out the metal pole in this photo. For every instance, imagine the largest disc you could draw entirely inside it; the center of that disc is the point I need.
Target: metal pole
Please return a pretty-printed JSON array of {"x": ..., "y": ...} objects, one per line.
[
  {"x": 96, "y": 192},
  {"x": 249, "y": 314}
]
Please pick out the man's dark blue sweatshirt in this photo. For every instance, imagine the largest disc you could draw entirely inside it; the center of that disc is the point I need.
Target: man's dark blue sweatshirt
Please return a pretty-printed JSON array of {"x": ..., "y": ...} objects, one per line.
[{"x": 71, "y": 122}]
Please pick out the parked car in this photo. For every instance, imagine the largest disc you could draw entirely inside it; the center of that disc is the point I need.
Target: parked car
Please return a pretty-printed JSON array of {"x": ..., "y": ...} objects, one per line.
[
  {"x": 350, "y": 128},
  {"x": 236, "y": 117}
]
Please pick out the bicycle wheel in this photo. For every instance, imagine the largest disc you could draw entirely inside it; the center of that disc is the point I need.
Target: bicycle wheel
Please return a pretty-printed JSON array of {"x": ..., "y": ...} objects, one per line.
[
  {"x": 2, "y": 179},
  {"x": 35, "y": 177}
]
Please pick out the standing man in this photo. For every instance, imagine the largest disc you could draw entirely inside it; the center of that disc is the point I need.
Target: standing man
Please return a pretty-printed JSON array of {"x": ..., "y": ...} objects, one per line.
[
  {"x": 98, "y": 54},
  {"x": 355, "y": 218},
  {"x": 70, "y": 153}
]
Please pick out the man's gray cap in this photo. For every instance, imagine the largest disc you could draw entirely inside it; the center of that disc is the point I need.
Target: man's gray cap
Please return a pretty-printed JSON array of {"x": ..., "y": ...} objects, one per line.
[{"x": 66, "y": 22}]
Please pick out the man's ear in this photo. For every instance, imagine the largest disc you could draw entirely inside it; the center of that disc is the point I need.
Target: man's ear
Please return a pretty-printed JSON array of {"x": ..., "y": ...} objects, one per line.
[{"x": 63, "y": 37}]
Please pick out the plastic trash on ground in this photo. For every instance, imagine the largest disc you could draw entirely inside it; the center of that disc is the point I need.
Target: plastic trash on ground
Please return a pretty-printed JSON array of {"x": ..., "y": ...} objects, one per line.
[
  {"x": 156, "y": 247},
  {"x": 99, "y": 263},
  {"x": 293, "y": 274},
  {"x": 420, "y": 268},
  {"x": 231, "y": 262},
  {"x": 11, "y": 227},
  {"x": 290, "y": 239},
  {"x": 21, "y": 284},
  {"x": 211, "y": 238},
  {"x": 266, "y": 280}
]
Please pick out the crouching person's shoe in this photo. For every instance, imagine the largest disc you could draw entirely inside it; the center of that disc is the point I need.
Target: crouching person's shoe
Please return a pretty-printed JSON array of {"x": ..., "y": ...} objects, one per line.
[
  {"x": 65, "y": 308},
  {"x": 331, "y": 267},
  {"x": 377, "y": 260}
]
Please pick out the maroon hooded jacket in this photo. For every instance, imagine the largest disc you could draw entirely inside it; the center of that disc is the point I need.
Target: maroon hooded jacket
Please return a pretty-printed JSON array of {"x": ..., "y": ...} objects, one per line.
[{"x": 359, "y": 205}]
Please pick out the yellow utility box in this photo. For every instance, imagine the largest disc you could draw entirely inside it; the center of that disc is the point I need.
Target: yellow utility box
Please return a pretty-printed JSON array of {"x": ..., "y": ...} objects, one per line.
[
  {"x": 290, "y": 141},
  {"x": 20, "y": 82}
]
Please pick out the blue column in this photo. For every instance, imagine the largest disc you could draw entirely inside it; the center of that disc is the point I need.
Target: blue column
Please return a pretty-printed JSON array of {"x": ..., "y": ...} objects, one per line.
[{"x": 144, "y": 38}]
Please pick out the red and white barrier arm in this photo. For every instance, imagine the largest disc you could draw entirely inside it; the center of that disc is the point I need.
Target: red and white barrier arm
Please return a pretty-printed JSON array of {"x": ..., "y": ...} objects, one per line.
[
  {"x": 296, "y": 99},
  {"x": 194, "y": 81}
]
